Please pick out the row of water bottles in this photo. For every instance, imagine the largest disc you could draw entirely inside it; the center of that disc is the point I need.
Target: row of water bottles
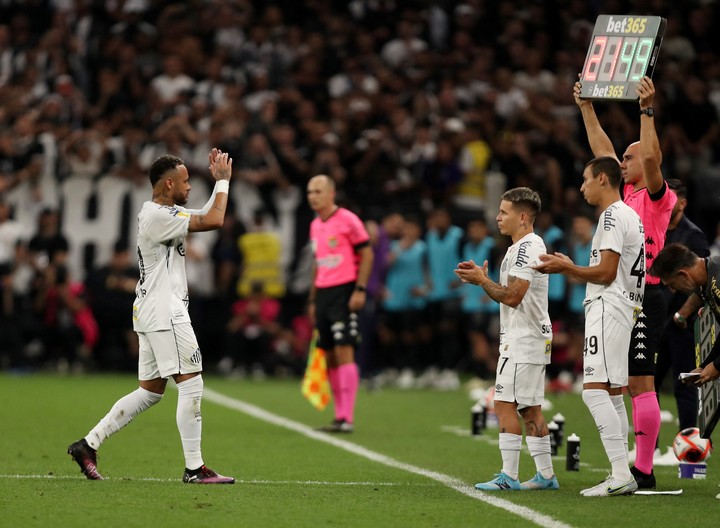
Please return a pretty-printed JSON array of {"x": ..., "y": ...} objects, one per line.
[{"x": 483, "y": 417}]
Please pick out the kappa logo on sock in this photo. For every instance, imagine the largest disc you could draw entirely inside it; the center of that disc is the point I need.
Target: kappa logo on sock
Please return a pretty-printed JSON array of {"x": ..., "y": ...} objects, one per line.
[
  {"x": 640, "y": 335},
  {"x": 640, "y": 356}
]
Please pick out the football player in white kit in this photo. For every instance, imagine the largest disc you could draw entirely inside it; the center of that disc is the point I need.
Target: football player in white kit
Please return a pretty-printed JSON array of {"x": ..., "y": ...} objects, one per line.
[
  {"x": 525, "y": 343},
  {"x": 168, "y": 347},
  {"x": 615, "y": 281}
]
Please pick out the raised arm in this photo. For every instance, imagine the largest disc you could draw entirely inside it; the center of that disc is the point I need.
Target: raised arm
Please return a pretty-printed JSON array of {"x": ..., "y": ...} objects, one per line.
[
  {"x": 650, "y": 154},
  {"x": 600, "y": 143},
  {"x": 221, "y": 170}
]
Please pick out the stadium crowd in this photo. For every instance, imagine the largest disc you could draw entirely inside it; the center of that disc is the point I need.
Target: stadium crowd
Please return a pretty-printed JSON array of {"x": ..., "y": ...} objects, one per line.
[{"x": 422, "y": 112}]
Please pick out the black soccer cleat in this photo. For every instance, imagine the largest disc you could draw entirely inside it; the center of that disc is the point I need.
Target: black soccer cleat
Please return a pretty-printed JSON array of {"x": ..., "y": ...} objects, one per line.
[
  {"x": 337, "y": 426},
  {"x": 86, "y": 457},
  {"x": 644, "y": 481}
]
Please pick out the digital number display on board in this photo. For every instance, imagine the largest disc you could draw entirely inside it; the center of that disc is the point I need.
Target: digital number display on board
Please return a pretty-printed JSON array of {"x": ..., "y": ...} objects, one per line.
[{"x": 623, "y": 49}]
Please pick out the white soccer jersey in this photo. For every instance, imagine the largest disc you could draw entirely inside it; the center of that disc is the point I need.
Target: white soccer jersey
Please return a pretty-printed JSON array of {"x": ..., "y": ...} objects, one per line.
[
  {"x": 526, "y": 330},
  {"x": 162, "y": 291},
  {"x": 620, "y": 230}
]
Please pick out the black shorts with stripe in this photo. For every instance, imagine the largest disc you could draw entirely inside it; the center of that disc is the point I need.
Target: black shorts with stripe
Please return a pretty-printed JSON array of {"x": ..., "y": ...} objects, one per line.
[{"x": 645, "y": 339}]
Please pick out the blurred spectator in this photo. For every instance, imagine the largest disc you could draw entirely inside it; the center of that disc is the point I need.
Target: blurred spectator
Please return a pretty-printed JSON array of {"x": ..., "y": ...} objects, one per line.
[
  {"x": 260, "y": 250},
  {"x": 69, "y": 329},
  {"x": 11, "y": 233},
  {"x": 403, "y": 333},
  {"x": 49, "y": 245},
  {"x": 251, "y": 335},
  {"x": 443, "y": 241},
  {"x": 479, "y": 310},
  {"x": 368, "y": 318},
  {"x": 399, "y": 52},
  {"x": 84, "y": 154},
  {"x": 173, "y": 83},
  {"x": 583, "y": 230},
  {"x": 474, "y": 158},
  {"x": 111, "y": 293},
  {"x": 554, "y": 238}
]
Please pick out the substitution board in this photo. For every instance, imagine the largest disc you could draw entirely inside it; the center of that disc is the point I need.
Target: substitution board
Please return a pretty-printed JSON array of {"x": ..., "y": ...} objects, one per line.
[
  {"x": 623, "y": 50},
  {"x": 709, "y": 408}
]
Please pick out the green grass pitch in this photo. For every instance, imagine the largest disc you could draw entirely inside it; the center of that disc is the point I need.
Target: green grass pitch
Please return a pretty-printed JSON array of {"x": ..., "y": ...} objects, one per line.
[{"x": 411, "y": 462}]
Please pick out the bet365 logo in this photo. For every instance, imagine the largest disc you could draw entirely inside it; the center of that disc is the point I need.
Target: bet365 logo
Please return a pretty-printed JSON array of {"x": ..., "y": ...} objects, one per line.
[{"x": 627, "y": 25}]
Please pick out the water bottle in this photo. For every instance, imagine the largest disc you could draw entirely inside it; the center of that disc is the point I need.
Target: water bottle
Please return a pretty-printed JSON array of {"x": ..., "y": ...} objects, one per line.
[
  {"x": 572, "y": 460},
  {"x": 554, "y": 431},
  {"x": 559, "y": 419},
  {"x": 478, "y": 418}
]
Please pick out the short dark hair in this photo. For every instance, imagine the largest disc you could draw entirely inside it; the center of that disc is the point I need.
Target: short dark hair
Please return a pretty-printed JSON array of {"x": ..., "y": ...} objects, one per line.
[
  {"x": 671, "y": 259},
  {"x": 162, "y": 165},
  {"x": 678, "y": 187},
  {"x": 525, "y": 198},
  {"x": 610, "y": 166}
]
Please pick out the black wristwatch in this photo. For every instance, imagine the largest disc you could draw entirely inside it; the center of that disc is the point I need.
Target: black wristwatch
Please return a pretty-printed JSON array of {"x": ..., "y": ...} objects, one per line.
[
  {"x": 649, "y": 111},
  {"x": 360, "y": 288}
]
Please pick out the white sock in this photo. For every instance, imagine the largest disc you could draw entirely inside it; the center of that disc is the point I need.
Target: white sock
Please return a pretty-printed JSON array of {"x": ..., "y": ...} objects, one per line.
[
  {"x": 121, "y": 414},
  {"x": 189, "y": 420},
  {"x": 619, "y": 404},
  {"x": 542, "y": 455},
  {"x": 510, "y": 445},
  {"x": 608, "y": 423}
]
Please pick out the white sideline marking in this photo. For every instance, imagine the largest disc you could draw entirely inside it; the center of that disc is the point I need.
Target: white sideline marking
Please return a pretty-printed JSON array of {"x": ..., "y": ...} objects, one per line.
[
  {"x": 446, "y": 480},
  {"x": 237, "y": 481}
]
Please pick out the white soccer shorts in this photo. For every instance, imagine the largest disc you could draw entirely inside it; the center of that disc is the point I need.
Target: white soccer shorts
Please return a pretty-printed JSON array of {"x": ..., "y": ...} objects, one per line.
[
  {"x": 169, "y": 352},
  {"x": 523, "y": 383},
  {"x": 605, "y": 354}
]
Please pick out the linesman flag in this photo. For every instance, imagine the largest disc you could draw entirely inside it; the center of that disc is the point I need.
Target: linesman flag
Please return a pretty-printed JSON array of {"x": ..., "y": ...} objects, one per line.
[{"x": 315, "y": 384}]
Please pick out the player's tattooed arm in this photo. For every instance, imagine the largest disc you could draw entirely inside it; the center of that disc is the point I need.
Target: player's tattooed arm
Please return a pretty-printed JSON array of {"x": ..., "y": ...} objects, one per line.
[{"x": 510, "y": 295}]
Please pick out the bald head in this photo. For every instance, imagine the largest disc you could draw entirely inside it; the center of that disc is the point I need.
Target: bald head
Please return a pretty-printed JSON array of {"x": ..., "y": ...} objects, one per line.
[
  {"x": 321, "y": 194},
  {"x": 322, "y": 179},
  {"x": 631, "y": 165}
]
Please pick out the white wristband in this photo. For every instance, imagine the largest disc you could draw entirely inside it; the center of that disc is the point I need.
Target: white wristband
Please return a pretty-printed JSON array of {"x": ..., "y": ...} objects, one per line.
[{"x": 222, "y": 186}]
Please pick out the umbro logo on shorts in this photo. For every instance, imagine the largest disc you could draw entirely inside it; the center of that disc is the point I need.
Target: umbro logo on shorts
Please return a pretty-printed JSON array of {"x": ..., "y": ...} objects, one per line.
[
  {"x": 498, "y": 389},
  {"x": 589, "y": 371}
]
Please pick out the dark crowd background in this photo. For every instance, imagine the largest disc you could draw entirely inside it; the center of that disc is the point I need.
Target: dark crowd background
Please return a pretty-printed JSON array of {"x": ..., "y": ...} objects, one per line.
[{"x": 423, "y": 112}]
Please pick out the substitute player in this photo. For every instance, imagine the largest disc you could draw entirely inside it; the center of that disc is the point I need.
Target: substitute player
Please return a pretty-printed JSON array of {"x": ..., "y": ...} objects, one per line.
[
  {"x": 168, "y": 347},
  {"x": 615, "y": 282},
  {"x": 647, "y": 193},
  {"x": 343, "y": 262},
  {"x": 525, "y": 343}
]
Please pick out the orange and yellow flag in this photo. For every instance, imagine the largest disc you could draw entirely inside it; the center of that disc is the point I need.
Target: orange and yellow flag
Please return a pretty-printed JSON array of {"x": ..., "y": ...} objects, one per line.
[{"x": 315, "y": 384}]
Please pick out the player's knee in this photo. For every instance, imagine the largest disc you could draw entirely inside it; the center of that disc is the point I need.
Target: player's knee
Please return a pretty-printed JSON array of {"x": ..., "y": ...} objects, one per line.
[{"x": 594, "y": 397}]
